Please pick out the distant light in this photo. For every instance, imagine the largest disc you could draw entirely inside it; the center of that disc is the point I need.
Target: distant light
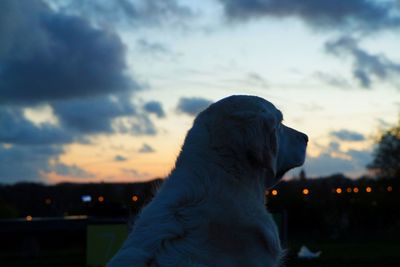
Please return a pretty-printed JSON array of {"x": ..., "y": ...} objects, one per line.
[
  {"x": 368, "y": 189},
  {"x": 338, "y": 190},
  {"x": 28, "y": 218},
  {"x": 306, "y": 191},
  {"x": 86, "y": 198},
  {"x": 47, "y": 201},
  {"x": 274, "y": 192},
  {"x": 389, "y": 188},
  {"x": 348, "y": 190},
  {"x": 135, "y": 198},
  {"x": 100, "y": 198},
  {"x": 355, "y": 190}
]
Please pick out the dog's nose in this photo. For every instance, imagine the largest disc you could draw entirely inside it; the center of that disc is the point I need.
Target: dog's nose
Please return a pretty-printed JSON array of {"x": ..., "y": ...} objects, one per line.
[{"x": 305, "y": 138}]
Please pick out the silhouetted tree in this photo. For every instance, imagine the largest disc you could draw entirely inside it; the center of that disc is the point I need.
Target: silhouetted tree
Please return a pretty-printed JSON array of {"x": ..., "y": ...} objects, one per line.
[
  {"x": 302, "y": 175},
  {"x": 386, "y": 160}
]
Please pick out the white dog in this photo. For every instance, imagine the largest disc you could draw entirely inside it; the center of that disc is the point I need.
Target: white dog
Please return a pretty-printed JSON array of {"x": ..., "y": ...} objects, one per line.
[{"x": 210, "y": 211}]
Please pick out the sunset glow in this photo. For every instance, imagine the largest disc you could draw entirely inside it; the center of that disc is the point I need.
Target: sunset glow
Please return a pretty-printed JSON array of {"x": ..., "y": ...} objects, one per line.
[{"x": 116, "y": 103}]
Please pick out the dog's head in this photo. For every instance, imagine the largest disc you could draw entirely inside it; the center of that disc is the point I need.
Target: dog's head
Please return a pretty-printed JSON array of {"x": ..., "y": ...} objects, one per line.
[{"x": 248, "y": 131}]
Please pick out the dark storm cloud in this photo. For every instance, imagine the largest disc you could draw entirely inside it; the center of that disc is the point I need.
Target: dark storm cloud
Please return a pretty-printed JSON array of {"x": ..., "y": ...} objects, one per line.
[
  {"x": 366, "y": 66},
  {"x": 192, "y": 105},
  {"x": 16, "y": 129},
  {"x": 94, "y": 115},
  {"x": 346, "y": 135},
  {"x": 146, "y": 149},
  {"x": 59, "y": 58},
  {"x": 155, "y": 107},
  {"x": 136, "y": 12},
  {"x": 363, "y": 15},
  {"x": 21, "y": 163},
  {"x": 62, "y": 57}
]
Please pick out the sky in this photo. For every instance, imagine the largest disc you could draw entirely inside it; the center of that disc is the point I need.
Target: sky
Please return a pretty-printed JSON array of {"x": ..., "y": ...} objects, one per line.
[{"x": 106, "y": 90}]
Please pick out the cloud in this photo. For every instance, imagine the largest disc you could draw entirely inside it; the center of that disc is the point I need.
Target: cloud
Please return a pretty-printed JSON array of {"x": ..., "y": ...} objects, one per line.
[
  {"x": 146, "y": 149},
  {"x": 26, "y": 163},
  {"x": 135, "y": 174},
  {"x": 327, "y": 164},
  {"x": 366, "y": 66},
  {"x": 334, "y": 160},
  {"x": 94, "y": 115},
  {"x": 362, "y": 15},
  {"x": 136, "y": 125},
  {"x": 149, "y": 13},
  {"x": 346, "y": 135},
  {"x": 155, "y": 107},
  {"x": 192, "y": 105},
  {"x": 362, "y": 157},
  {"x": 152, "y": 47},
  {"x": 256, "y": 79},
  {"x": 332, "y": 80},
  {"x": 120, "y": 158},
  {"x": 16, "y": 129},
  {"x": 62, "y": 57},
  {"x": 71, "y": 170},
  {"x": 53, "y": 56}
]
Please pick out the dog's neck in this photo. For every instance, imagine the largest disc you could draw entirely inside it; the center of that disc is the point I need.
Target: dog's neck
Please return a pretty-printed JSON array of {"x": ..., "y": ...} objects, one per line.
[{"x": 210, "y": 169}]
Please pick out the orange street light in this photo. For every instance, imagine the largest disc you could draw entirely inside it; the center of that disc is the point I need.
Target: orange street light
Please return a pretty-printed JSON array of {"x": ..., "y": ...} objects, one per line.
[
  {"x": 355, "y": 190},
  {"x": 389, "y": 188},
  {"x": 135, "y": 198},
  {"x": 338, "y": 190},
  {"x": 100, "y": 198},
  {"x": 274, "y": 192},
  {"x": 306, "y": 191},
  {"x": 28, "y": 218},
  {"x": 348, "y": 190},
  {"x": 368, "y": 189}
]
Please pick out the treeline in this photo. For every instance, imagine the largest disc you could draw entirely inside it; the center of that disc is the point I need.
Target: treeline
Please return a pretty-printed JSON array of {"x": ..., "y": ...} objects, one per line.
[
  {"x": 93, "y": 199},
  {"x": 337, "y": 207},
  {"x": 333, "y": 207}
]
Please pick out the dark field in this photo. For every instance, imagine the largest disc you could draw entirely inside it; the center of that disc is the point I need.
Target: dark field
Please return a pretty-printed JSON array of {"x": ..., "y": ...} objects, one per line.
[
  {"x": 360, "y": 229},
  {"x": 343, "y": 254}
]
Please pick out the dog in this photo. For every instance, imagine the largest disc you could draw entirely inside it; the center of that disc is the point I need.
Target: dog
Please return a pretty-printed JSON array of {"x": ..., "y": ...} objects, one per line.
[{"x": 210, "y": 211}]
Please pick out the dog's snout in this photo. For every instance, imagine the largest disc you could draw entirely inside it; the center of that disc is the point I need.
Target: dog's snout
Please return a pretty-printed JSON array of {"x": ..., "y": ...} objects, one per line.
[{"x": 305, "y": 137}]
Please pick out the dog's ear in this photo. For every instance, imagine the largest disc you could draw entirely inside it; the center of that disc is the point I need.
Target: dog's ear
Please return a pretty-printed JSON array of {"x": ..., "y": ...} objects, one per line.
[
  {"x": 249, "y": 136},
  {"x": 260, "y": 140}
]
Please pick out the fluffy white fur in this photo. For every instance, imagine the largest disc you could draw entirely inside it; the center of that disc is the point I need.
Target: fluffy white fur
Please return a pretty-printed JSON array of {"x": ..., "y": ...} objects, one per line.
[{"x": 211, "y": 209}]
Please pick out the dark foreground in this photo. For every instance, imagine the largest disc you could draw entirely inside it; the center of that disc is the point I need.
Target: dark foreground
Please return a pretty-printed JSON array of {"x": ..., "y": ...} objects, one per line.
[
  {"x": 85, "y": 241},
  {"x": 334, "y": 254}
]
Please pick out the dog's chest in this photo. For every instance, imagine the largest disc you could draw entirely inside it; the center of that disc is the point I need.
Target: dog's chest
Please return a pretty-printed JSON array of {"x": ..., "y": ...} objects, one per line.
[{"x": 233, "y": 238}]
